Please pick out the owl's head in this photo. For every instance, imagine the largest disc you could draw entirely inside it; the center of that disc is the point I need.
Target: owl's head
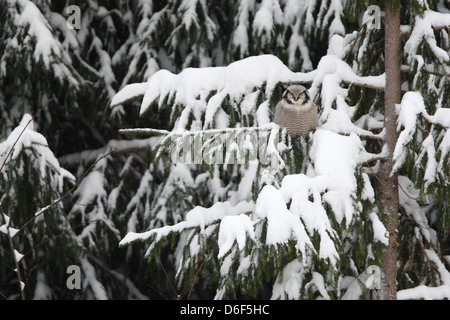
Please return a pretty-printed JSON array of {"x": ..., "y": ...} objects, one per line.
[{"x": 296, "y": 94}]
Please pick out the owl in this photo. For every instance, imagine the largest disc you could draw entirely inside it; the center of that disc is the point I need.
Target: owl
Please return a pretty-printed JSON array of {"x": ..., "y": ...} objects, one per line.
[{"x": 296, "y": 111}]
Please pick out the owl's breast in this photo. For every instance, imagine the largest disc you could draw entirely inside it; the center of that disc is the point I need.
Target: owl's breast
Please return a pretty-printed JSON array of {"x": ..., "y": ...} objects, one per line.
[{"x": 295, "y": 119}]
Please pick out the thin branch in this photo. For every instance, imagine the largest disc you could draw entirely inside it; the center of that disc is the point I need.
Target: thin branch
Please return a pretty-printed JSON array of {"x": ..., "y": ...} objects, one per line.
[
  {"x": 167, "y": 277},
  {"x": 363, "y": 85},
  {"x": 195, "y": 277},
  {"x": 13, "y": 251},
  {"x": 159, "y": 292},
  {"x": 10, "y": 237},
  {"x": 185, "y": 290},
  {"x": 120, "y": 147},
  {"x": 354, "y": 83},
  {"x": 375, "y": 159},
  {"x": 288, "y": 83},
  {"x": 441, "y": 27},
  {"x": 363, "y": 136},
  {"x": 66, "y": 194}
]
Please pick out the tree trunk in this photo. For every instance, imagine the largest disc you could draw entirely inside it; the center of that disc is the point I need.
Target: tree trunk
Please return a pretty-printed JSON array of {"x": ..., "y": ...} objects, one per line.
[{"x": 388, "y": 189}]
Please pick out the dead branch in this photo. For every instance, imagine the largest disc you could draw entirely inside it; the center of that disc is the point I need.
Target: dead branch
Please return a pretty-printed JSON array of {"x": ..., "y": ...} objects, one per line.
[{"x": 363, "y": 136}]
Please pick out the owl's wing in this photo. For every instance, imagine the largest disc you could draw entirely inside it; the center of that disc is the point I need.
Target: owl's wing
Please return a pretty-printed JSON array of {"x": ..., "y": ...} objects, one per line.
[
  {"x": 277, "y": 115},
  {"x": 316, "y": 114}
]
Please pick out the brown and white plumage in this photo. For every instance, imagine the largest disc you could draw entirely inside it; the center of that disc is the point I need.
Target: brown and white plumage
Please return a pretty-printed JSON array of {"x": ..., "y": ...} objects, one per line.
[{"x": 296, "y": 111}]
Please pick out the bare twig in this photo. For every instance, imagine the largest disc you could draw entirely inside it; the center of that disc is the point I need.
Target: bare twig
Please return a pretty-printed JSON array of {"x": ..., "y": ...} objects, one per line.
[
  {"x": 189, "y": 279},
  {"x": 13, "y": 252},
  {"x": 195, "y": 277},
  {"x": 364, "y": 136},
  {"x": 288, "y": 83},
  {"x": 167, "y": 277},
  {"x": 363, "y": 85},
  {"x": 159, "y": 292},
  {"x": 380, "y": 158},
  {"x": 37, "y": 214}
]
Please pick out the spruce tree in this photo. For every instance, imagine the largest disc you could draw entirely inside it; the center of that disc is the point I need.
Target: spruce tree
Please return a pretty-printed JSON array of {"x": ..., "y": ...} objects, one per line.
[
  {"x": 38, "y": 241},
  {"x": 313, "y": 226},
  {"x": 243, "y": 227}
]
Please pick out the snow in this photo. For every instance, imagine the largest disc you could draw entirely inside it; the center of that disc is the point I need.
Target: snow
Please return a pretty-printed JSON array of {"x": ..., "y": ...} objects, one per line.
[
  {"x": 197, "y": 217},
  {"x": 320, "y": 285},
  {"x": 234, "y": 229},
  {"x": 291, "y": 281},
  {"x": 240, "y": 36},
  {"x": 17, "y": 256},
  {"x": 39, "y": 28},
  {"x": 281, "y": 223},
  {"x": 90, "y": 280},
  {"x": 379, "y": 231},
  {"x": 411, "y": 107},
  {"x": 423, "y": 31},
  {"x": 336, "y": 158},
  {"x": 42, "y": 291},
  {"x": 294, "y": 210},
  {"x": 407, "y": 194},
  {"x": 335, "y": 45},
  {"x": 442, "y": 117},
  {"x": 267, "y": 16},
  {"x": 424, "y": 292},
  {"x": 48, "y": 49},
  {"x": 90, "y": 187},
  {"x": 333, "y": 10},
  {"x": 22, "y": 139},
  {"x": 91, "y": 196},
  {"x": 191, "y": 87},
  {"x": 368, "y": 193}
]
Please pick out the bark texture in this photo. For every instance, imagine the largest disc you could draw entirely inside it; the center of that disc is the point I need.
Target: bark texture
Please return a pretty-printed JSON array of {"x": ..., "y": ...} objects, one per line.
[{"x": 388, "y": 189}]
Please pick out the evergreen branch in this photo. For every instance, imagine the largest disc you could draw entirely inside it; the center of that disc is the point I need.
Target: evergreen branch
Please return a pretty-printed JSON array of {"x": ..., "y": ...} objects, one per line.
[
  {"x": 148, "y": 131},
  {"x": 59, "y": 235},
  {"x": 13, "y": 252},
  {"x": 43, "y": 210},
  {"x": 11, "y": 237},
  {"x": 151, "y": 131},
  {"x": 407, "y": 69},
  {"x": 23, "y": 130},
  {"x": 119, "y": 147}
]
